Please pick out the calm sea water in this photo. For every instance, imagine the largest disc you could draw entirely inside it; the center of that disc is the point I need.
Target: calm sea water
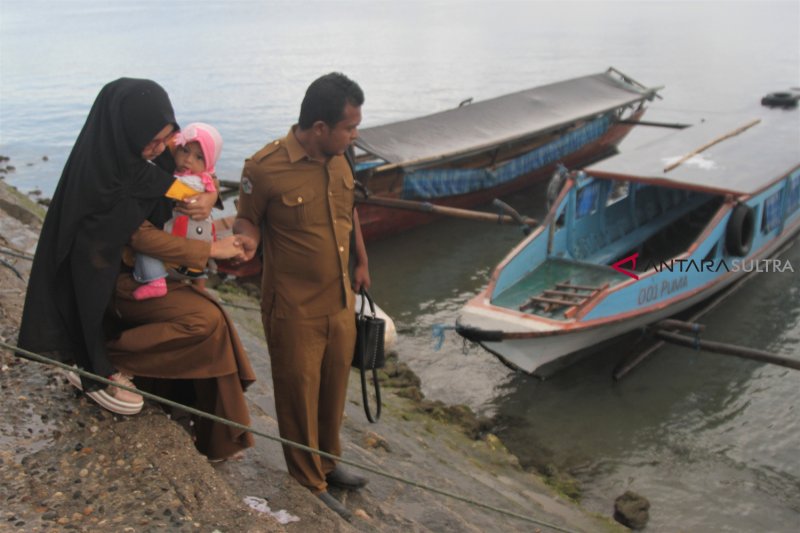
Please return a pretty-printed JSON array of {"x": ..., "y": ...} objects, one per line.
[{"x": 711, "y": 441}]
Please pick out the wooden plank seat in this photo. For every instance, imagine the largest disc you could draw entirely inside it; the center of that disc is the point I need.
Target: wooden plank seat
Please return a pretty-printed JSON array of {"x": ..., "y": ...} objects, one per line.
[
  {"x": 549, "y": 293},
  {"x": 568, "y": 285},
  {"x": 551, "y": 299}
]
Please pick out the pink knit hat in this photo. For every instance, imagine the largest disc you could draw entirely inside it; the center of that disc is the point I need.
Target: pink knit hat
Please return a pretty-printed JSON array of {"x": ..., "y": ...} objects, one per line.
[{"x": 209, "y": 138}]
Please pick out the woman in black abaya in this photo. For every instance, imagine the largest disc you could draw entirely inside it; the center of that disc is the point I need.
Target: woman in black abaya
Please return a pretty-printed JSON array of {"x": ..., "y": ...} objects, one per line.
[
  {"x": 110, "y": 202},
  {"x": 107, "y": 189}
]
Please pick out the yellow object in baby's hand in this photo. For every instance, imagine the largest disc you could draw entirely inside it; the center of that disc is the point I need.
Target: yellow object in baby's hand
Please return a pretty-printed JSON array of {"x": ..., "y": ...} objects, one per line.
[{"x": 180, "y": 191}]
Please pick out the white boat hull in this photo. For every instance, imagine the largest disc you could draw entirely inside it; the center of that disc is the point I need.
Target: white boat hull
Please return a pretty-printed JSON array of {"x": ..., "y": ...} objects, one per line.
[
  {"x": 531, "y": 354},
  {"x": 535, "y": 347}
]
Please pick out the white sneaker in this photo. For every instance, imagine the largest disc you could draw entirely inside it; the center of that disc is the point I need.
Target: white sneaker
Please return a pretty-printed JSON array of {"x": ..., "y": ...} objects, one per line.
[{"x": 113, "y": 398}]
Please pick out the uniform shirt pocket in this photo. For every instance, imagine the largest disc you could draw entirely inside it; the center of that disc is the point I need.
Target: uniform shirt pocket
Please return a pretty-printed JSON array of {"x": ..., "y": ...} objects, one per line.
[{"x": 296, "y": 207}]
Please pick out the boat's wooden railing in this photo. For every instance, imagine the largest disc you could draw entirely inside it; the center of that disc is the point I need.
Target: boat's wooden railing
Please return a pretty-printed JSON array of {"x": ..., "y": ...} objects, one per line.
[{"x": 572, "y": 298}]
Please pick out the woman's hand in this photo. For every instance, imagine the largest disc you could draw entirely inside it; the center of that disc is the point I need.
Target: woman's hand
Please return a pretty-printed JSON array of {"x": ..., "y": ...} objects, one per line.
[
  {"x": 249, "y": 247},
  {"x": 198, "y": 207},
  {"x": 248, "y": 250},
  {"x": 228, "y": 248}
]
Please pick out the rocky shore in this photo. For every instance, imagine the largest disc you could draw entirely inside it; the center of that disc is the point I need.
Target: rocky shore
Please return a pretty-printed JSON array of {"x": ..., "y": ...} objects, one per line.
[{"x": 68, "y": 465}]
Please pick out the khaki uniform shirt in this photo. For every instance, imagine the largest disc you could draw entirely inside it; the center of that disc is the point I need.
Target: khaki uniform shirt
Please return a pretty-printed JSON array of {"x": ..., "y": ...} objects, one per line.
[{"x": 305, "y": 211}]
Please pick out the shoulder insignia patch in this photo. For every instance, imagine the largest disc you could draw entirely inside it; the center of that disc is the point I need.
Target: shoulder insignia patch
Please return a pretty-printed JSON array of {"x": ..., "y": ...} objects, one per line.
[{"x": 247, "y": 185}]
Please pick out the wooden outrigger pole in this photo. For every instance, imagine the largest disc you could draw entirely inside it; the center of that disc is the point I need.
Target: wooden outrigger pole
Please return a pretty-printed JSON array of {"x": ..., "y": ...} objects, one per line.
[
  {"x": 469, "y": 214},
  {"x": 509, "y": 217},
  {"x": 727, "y": 349}
]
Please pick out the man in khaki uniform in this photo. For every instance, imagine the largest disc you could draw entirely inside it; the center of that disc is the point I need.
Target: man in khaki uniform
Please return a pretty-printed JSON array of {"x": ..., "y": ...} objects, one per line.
[{"x": 296, "y": 198}]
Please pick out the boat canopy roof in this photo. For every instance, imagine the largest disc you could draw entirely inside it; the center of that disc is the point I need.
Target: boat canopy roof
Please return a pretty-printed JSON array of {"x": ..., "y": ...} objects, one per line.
[
  {"x": 483, "y": 125},
  {"x": 740, "y": 154}
]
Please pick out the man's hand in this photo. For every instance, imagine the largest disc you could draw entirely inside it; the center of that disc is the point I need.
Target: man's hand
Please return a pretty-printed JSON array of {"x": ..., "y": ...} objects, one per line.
[
  {"x": 198, "y": 207},
  {"x": 361, "y": 278}
]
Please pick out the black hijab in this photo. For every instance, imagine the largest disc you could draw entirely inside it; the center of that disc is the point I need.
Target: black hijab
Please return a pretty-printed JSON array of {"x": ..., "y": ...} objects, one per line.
[{"x": 105, "y": 193}]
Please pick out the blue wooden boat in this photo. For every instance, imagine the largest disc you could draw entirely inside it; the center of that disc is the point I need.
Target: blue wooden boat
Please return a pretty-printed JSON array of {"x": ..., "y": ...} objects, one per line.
[{"x": 642, "y": 236}]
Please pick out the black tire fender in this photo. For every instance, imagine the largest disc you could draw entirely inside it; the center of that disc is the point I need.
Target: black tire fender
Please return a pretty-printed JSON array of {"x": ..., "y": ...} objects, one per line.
[
  {"x": 782, "y": 99},
  {"x": 740, "y": 230}
]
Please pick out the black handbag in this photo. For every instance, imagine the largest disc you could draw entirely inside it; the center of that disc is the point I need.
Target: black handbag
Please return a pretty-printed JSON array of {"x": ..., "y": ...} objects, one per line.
[{"x": 369, "y": 354}]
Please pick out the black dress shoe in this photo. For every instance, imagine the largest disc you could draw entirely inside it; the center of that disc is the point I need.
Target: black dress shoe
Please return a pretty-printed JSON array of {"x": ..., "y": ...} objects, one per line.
[
  {"x": 335, "y": 505},
  {"x": 345, "y": 480}
]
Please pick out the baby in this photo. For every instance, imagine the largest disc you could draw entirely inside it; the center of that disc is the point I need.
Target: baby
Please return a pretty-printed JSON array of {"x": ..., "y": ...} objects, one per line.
[{"x": 197, "y": 148}]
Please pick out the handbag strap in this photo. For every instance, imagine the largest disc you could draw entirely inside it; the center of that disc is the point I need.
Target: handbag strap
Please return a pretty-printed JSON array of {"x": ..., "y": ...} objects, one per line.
[
  {"x": 364, "y": 396},
  {"x": 366, "y": 298}
]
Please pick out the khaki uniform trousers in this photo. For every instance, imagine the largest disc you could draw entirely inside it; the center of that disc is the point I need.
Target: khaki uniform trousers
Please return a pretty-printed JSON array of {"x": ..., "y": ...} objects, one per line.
[{"x": 311, "y": 361}]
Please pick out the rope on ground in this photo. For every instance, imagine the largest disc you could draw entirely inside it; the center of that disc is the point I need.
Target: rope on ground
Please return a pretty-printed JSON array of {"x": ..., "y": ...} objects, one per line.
[
  {"x": 19, "y": 352},
  {"x": 12, "y": 268},
  {"x": 15, "y": 253}
]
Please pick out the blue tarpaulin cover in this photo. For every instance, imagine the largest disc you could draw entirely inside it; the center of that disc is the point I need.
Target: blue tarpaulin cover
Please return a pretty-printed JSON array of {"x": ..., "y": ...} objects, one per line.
[{"x": 443, "y": 182}]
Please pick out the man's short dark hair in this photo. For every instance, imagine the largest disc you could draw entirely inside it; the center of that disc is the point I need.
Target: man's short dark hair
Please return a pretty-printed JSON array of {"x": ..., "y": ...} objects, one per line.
[{"x": 326, "y": 97}]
